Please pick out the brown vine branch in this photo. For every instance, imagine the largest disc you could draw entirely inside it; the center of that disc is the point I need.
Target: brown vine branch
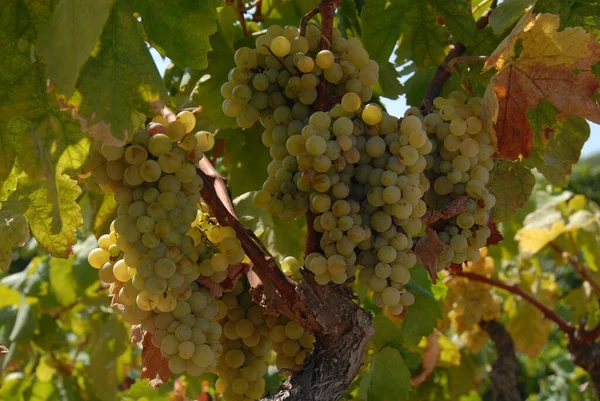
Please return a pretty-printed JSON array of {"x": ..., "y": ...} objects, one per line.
[
  {"x": 306, "y": 18},
  {"x": 239, "y": 11},
  {"x": 515, "y": 289},
  {"x": 443, "y": 72},
  {"x": 504, "y": 370},
  {"x": 577, "y": 264}
]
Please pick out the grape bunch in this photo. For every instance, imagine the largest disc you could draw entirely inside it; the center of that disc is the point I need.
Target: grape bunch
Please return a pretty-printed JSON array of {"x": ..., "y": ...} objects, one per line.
[
  {"x": 218, "y": 246},
  {"x": 469, "y": 302},
  {"x": 355, "y": 167},
  {"x": 290, "y": 341},
  {"x": 276, "y": 83},
  {"x": 14, "y": 231},
  {"x": 152, "y": 251},
  {"x": 246, "y": 346},
  {"x": 460, "y": 165}
]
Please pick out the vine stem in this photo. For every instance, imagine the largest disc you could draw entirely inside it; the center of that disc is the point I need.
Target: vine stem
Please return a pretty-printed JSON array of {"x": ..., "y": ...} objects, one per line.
[
  {"x": 443, "y": 72},
  {"x": 515, "y": 289},
  {"x": 577, "y": 264}
]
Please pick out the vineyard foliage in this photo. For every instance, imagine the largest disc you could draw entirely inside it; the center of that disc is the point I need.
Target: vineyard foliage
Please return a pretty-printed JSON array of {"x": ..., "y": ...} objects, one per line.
[{"x": 78, "y": 81}]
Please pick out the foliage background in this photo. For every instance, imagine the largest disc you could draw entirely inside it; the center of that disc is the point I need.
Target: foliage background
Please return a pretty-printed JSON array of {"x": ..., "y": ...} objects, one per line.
[{"x": 66, "y": 343}]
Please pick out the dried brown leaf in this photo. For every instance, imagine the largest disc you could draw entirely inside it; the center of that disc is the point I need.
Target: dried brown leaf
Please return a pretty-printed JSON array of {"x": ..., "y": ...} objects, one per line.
[{"x": 427, "y": 250}]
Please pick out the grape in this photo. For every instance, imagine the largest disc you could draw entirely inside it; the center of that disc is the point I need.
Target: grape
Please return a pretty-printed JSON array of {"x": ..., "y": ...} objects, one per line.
[
  {"x": 372, "y": 114},
  {"x": 98, "y": 257},
  {"x": 280, "y": 46},
  {"x": 159, "y": 144}
]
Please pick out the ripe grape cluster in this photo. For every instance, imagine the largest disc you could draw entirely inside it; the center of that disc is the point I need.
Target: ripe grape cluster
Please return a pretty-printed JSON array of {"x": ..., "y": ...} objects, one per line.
[
  {"x": 152, "y": 251},
  {"x": 246, "y": 346},
  {"x": 14, "y": 231},
  {"x": 469, "y": 302},
  {"x": 460, "y": 165},
  {"x": 290, "y": 341},
  {"x": 355, "y": 167}
]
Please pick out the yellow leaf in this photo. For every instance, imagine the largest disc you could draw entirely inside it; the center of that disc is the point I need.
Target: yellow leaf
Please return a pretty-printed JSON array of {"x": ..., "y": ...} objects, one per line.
[{"x": 533, "y": 240}]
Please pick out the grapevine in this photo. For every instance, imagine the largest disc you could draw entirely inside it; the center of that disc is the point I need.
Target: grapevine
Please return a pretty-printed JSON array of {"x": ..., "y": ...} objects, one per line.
[{"x": 261, "y": 214}]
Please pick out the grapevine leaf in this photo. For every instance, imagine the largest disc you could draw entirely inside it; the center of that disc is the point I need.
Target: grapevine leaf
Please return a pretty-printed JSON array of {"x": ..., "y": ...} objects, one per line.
[
  {"x": 429, "y": 359},
  {"x": 9, "y": 296},
  {"x": 105, "y": 210},
  {"x": 424, "y": 40},
  {"x": 110, "y": 340},
  {"x": 207, "y": 92},
  {"x": 25, "y": 325},
  {"x": 389, "y": 85},
  {"x": 557, "y": 143},
  {"x": 421, "y": 318},
  {"x": 390, "y": 378},
  {"x": 180, "y": 30},
  {"x": 141, "y": 390},
  {"x": 68, "y": 39},
  {"x": 282, "y": 238},
  {"x": 589, "y": 243},
  {"x": 286, "y": 12},
  {"x": 386, "y": 333},
  {"x": 510, "y": 178},
  {"x": 428, "y": 247},
  {"x": 457, "y": 18},
  {"x": 382, "y": 23},
  {"x": 526, "y": 324},
  {"x": 579, "y": 13},
  {"x": 154, "y": 365},
  {"x": 247, "y": 158},
  {"x": 550, "y": 64},
  {"x": 52, "y": 212},
  {"x": 584, "y": 304},
  {"x": 508, "y": 13},
  {"x": 119, "y": 81}
]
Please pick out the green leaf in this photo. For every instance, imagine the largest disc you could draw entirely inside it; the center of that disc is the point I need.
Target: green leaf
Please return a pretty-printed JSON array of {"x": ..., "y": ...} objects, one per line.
[
  {"x": 423, "y": 40},
  {"x": 282, "y": 238},
  {"x": 421, "y": 317},
  {"x": 382, "y": 23},
  {"x": 557, "y": 144},
  {"x": 25, "y": 325},
  {"x": 589, "y": 244},
  {"x": 68, "y": 39},
  {"x": 508, "y": 13},
  {"x": 180, "y": 29},
  {"x": 386, "y": 333},
  {"x": 141, "y": 389},
  {"x": 457, "y": 18},
  {"x": 389, "y": 83},
  {"x": 510, "y": 178},
  {"x": 247, "y": 159},
  {"x": 120, "y": 80},
  {"x": 8, "y": 296},
  {"x": 390, "y": 378},
  {"x": 207, "y": 92},
  {"x": 286, "y": 12},
  {"x": 110, "y": 340}
]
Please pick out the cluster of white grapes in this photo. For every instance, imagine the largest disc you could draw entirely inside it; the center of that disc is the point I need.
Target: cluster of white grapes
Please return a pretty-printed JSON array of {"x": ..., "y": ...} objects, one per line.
[
  {"x": 290, "y": 341},
  {"x": 469, "y": 302},
  {"x": 150, "y": 256},
  {"x": 460, "y": 165},
  {"x": 355, "y": 167},
  {"x": 277, "y": 83},
  {"x": 14, "y": 231},
  {"x": 246, "y": 346},
  {"x": 218, "y": 246}
]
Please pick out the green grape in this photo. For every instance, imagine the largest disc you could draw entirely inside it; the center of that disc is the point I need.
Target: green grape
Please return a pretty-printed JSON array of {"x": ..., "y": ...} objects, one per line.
[
  {"x": 372, "y": 114},
  {"x": 98, "y": 257},
  {"x": 280, "y": 46}
]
